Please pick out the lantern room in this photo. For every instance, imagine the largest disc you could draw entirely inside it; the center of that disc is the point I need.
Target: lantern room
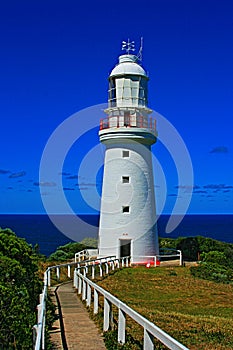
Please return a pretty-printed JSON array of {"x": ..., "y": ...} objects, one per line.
[{"x": 128, "y": 84}]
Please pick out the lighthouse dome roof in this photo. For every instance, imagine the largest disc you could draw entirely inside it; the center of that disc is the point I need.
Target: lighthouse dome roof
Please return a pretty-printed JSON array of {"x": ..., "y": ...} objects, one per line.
[{"x": 128, "y": 65}]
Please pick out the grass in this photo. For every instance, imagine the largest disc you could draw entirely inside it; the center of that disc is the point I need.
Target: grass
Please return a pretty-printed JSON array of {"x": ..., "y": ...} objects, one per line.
[{"x": 196, "y": 312}]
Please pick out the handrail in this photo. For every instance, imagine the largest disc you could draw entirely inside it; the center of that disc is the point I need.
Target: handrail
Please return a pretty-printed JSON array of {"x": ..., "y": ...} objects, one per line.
[
  {"x": 84, "y": 286},
  {"x": 118, "y": 121},
  {"x": 85, "y": 253},
  {"x": 155, "y": 259},
  {"x": 39, "y": 328}
]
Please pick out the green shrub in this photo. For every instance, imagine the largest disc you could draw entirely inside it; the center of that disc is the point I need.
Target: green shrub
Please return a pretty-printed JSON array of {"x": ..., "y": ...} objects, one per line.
[
  {"x": 213, "y": 272},
  {"x": 19, "y": 290},
  {"x": 215, "y": 257},
  {"x": 59, "y": 255}
]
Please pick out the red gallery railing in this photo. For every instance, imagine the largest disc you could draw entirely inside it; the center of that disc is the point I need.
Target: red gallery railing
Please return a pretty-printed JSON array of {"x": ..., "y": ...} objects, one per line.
[{"x": 129, "y": 122}]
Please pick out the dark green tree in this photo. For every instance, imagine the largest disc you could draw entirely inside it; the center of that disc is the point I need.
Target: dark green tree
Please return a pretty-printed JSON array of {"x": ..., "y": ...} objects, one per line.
[{"x": 19, "y": 290}]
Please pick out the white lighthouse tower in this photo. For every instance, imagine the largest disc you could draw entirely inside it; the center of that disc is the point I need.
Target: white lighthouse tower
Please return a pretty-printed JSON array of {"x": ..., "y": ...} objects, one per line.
[{"x": 128, "y": 215}]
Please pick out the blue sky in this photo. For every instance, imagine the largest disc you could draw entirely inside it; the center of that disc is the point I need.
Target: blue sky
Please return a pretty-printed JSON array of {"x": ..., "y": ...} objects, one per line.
[{"x": 55, "y": 60}]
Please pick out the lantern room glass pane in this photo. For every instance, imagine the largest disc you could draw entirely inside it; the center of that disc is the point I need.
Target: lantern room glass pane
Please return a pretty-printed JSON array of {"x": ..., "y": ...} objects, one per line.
[
  {"x": 119, "y": 93},
  {"x": 126, "y": 82},
  {"x": 134, "y": 93},
  {"x": 127, "y": 92},
  {"x": 120, "y": 82}
]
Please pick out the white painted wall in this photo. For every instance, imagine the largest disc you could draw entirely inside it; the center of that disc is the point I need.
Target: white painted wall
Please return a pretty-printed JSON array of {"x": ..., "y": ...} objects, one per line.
[{"x": 139, "y": 224}]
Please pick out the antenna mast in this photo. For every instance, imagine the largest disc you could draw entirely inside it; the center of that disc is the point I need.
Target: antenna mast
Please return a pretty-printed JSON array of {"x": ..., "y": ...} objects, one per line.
[
  {"x": 130, "y": 46},
  {"x": 139, "y": 55}
]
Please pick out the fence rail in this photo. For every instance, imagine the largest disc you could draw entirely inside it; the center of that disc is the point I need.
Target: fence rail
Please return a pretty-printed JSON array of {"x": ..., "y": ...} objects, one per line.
[
  {"x": 39, "y": 328},
  {"x": 90, "y": 291},
  {"x": 88, "y": 288}
]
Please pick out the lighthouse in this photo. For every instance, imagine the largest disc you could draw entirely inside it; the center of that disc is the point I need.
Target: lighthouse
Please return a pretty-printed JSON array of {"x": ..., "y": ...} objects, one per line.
[{"x": 128, "y": 213}]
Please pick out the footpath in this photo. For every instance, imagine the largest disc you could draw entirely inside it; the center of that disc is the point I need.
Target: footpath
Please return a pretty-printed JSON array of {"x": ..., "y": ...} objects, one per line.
[{"x": 73, "y": 329}]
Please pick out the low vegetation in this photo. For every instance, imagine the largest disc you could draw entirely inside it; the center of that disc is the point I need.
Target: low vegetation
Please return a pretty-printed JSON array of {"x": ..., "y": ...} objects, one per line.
[
  {"x": 196, "y": 312},
  {"x": 66, "y": 252},
  {"x": 192, "y": 304},
  {"x": 215, "y": 257}
]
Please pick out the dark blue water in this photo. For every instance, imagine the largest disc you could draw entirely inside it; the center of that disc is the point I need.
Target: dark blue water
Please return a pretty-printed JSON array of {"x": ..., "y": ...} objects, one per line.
[{"x": 38, "y": 229}]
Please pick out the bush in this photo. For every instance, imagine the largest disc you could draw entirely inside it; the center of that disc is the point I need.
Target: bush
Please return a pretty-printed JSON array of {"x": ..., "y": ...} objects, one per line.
[
  {"x": 67, "y": 251},
  {"x": 215, "y": 257},
  {"x": 189, "y": 246},
  {"x": 213, "y": 272},
  {"x": 19, "y": 290}
]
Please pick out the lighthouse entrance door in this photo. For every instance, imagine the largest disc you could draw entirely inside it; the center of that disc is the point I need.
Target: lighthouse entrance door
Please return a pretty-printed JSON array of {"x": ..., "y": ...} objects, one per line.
[{"x": 125, "y": 247}]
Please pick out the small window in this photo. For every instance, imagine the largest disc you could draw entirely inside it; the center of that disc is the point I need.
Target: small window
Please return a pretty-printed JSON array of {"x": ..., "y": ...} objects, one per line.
[
  {"x": 125, "y": 209},
  {"x": 125, "y": 154},
  {"x": 125, "y": 179}
]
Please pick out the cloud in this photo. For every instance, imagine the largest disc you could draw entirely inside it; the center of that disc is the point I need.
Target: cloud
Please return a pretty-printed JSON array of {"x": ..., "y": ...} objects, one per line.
[
  {"x": 218, "y": 186},
  {"x": 220, "y": 149},
  {"x": 87, "y": 184},
  {"x": 199, "y": 191},
  {"x": 19, "y": 174},
  {"x": 63, "y": 173},
  {"x": 45, "y": 184},
  {"x": 188, "y": 187},
  {"x": 3, "y": 172},
  {"x": 72, "y": 177}
]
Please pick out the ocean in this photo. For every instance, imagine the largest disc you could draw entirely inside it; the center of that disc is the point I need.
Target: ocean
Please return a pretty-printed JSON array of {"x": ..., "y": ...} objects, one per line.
[{"x": 38, "y": 229}]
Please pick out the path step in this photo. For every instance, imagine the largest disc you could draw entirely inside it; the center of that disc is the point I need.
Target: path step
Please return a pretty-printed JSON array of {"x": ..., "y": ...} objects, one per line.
[{"x": 80, "y": 332}]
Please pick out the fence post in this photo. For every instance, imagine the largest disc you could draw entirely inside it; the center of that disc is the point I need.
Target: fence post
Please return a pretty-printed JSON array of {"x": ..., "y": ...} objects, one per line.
[
  {"x": 106, "y": 314},
  {"x": 84, "y": 290},
  {"x": 106, "y": 264},
  {"x": 93, "y": 271},
  {"x": 79, "y": 285},
  {"x": 121, "y": 327},
  {"x": 96, "y": 302},
  {"x": 68, "y": 271},
  {"x": 84, "y": 286},
  {"x": 43, "y": 331},
  {"x": 118, "y": 263},
  {"x": 148, "y": 341},
  {"x": 88, "y": 295},
  {"x": 101, "y": 270},
  {"x": 39, "y": 310},
  {"x": 86, "y": 269},
  {"x": 34, "y": 336},
  {"x": 181, "y": 259},
  {"x": 49, "y": 277},
  {"x": 58, "y": 273},
  {"x": 75, "y": 284}
]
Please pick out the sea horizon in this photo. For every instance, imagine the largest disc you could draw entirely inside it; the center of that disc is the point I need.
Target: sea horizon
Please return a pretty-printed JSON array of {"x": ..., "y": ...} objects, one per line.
[{"x": 38, "y": 228}]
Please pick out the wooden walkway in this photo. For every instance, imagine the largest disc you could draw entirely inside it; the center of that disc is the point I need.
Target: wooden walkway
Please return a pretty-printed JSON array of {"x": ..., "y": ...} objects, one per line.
[{"x": 73, "y": 330}]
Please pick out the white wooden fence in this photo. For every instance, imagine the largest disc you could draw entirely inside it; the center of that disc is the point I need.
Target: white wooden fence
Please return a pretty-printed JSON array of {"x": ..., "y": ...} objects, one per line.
[
  {"x": 39, "y": 328},
  {"x": 90, "y": 292}
]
